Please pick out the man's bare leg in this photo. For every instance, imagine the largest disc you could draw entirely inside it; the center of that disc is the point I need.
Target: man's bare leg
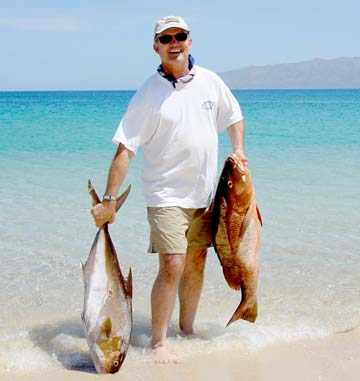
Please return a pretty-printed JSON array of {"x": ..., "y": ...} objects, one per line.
[
  {"x": 190, "y": 288},
  {"x": 163, "y": 299}
]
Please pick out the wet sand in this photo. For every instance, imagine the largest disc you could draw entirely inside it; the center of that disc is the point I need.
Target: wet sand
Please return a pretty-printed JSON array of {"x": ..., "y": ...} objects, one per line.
[{"x": 334, "y": 358}]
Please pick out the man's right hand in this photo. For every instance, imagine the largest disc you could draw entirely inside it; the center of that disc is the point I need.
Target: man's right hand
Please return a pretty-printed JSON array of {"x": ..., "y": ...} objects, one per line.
[{"x": 104, "y": 213}]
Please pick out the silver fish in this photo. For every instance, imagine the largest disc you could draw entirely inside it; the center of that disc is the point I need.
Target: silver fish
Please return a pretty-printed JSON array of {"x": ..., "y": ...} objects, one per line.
[{"x": 107, "y": 312}]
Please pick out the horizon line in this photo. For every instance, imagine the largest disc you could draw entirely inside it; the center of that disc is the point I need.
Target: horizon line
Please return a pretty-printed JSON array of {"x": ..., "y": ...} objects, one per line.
[{"x": 116, "y": 90}]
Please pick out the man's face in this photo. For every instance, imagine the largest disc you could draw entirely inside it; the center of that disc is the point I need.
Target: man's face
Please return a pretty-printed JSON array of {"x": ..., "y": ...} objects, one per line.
[{"x": 174, "y": 52}]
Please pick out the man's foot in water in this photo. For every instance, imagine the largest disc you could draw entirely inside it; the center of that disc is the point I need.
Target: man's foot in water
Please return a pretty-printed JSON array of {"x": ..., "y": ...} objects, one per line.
[{"x": 162, "y": 355}]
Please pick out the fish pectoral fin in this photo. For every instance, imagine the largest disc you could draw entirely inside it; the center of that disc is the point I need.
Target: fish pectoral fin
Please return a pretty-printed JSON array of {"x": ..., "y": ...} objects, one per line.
[
  {"x": 128, "y": 284},
  {"x": 83, "y": 321},
  {"x": 249, "y": 216},
  {"x": 121, "y": 199},
  {"x": 105, "y": 330},
  {"x": 259, "y": 215}
]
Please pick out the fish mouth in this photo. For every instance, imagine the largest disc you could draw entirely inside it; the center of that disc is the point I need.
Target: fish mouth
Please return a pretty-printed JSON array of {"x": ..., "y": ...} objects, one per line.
[{"x": 236, "y": 163}]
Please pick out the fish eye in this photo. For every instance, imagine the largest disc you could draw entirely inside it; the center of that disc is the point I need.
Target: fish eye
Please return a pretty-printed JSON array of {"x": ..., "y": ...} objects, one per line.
[
  {"x": 230, "y": 184},
  {"x": 116, "y": 363}
]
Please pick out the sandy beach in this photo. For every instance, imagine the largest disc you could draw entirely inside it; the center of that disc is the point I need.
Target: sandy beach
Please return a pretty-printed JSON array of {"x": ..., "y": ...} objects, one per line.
[{"x": 334, "y": 358}]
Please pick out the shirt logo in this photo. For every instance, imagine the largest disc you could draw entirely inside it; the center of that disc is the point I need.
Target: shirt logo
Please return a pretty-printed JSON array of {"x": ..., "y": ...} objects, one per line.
[{"x": 208, "y": 105}]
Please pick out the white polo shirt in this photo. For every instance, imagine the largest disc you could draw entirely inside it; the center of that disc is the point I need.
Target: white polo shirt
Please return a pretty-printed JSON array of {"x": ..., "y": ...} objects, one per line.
[{"x": 177, "y": 128}]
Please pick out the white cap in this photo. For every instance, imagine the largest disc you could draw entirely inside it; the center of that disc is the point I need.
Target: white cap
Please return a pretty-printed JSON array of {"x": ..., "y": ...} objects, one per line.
[{"x": 168, "y": 22}]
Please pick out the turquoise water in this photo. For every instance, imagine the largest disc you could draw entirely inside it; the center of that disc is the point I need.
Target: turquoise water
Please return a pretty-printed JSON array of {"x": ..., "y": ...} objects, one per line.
[{"x": 304, "y": 155}]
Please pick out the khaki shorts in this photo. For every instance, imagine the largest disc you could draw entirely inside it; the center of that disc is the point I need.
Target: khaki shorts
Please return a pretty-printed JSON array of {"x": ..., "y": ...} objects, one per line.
[{"x": 173, "y": 229}]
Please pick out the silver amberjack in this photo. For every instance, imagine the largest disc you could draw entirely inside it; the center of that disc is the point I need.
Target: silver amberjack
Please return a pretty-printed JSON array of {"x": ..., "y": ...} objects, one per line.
[{"x": 107, "y": 312}]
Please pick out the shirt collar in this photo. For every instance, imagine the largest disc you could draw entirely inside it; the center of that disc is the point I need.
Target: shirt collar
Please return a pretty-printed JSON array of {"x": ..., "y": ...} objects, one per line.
[{"x": 185, "y": 79}]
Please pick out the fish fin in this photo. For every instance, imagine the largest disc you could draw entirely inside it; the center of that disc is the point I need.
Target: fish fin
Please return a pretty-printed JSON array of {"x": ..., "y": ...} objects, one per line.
[
  {"x": 247, "y": 219},
  {"x": 232, "y": 276},
  {"x": 128, "y": 283},
  {"x": 95, "y": 198},
  {"x": 82, "y": 267},
  {"x": 259, "y": 215},
  {"x": 121, "y": 199},
  {"x": 83, "y": 322},
  {"x": 246, "y": 311},
  {"x": 106, "y": 327}
]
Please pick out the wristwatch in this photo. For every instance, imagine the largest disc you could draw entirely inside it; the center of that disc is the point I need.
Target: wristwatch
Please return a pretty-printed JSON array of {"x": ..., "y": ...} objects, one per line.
[{"x": 109, "y": 197}]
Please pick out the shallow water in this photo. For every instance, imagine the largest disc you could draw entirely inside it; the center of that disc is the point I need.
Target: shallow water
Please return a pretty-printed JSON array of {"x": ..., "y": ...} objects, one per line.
[{"x": 303, "y": 148}]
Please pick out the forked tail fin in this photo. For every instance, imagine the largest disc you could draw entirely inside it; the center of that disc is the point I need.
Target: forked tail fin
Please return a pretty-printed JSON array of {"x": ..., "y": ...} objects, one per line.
[
  {"x": 94, "y": 197},
  {"x": 246, "y": 311},
  {"x": 96, "y": 200},
  {"x": 121, "y": 199}
]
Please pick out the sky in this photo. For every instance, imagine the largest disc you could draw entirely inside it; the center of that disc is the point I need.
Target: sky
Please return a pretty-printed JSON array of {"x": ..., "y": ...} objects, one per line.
[{"x": 107, "y": 45}]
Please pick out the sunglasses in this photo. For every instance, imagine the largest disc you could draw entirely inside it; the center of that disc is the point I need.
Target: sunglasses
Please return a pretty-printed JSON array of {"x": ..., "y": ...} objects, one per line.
[{"x": 167, "y": 38}]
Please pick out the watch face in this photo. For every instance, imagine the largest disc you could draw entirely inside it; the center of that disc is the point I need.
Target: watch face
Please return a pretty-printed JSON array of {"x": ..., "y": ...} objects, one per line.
[{"x": 109, "y": 197}]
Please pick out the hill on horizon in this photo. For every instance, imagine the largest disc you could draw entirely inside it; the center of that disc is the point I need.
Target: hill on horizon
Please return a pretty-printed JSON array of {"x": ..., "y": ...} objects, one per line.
[{"x": 338, "y": 73}]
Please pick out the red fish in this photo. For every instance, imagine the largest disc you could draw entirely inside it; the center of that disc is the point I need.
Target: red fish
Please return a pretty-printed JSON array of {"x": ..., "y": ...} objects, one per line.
[{"x": 236, "y": 234}]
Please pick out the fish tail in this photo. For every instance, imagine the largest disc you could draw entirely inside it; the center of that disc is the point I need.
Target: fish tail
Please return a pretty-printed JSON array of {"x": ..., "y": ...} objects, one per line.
[
  {"x": 121, "y": 199},
  {"x": 95, "y": 198},
  {"x": 246, "y": 311}
]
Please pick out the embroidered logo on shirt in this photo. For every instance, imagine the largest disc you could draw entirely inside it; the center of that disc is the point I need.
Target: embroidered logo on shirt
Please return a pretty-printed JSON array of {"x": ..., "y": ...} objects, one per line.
[{"x": 208, "y": 105}]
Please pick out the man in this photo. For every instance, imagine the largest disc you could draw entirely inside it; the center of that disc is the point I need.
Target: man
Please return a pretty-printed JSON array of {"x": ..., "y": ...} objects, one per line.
[{"x": 175, "y": 116}]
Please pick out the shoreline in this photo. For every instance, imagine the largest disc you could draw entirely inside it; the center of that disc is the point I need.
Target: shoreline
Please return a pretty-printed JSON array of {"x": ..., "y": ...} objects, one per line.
[{"x": 332, "y": 358}]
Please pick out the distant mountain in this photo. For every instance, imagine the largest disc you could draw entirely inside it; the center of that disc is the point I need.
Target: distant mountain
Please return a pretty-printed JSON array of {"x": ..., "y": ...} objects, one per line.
[{"x": 315, "y": 74}]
